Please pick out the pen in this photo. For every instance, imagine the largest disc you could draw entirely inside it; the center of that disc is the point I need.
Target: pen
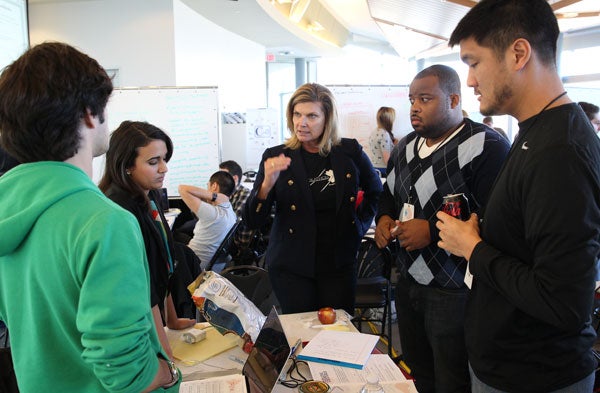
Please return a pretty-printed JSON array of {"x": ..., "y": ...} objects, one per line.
[
  {"x": 286, "y": 368},
  {"x": 295, "y": 347}
]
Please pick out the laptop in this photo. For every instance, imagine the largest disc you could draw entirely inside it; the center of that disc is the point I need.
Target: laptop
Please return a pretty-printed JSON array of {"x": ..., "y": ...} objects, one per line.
[{"x": 268, "y": 359}]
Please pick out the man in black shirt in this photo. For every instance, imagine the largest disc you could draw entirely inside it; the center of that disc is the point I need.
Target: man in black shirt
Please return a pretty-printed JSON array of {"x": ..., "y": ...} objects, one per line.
[{"x": 533, "y": 257}]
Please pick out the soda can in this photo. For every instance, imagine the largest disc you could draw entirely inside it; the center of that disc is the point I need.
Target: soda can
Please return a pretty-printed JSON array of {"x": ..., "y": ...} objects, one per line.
[{"x": 456, "y": 205}]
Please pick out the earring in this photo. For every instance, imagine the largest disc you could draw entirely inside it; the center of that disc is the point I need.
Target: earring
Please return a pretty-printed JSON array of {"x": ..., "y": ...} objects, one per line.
[{"x": 129, "y": 173}]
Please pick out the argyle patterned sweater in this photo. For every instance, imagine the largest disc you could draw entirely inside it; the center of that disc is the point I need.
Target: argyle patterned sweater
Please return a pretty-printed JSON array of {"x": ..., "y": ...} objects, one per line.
[{"x": 467, "y": 163}]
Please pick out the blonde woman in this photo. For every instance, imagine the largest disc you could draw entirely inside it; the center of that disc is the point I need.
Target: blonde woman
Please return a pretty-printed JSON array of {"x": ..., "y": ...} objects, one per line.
[{"x": 313, "y": 180}]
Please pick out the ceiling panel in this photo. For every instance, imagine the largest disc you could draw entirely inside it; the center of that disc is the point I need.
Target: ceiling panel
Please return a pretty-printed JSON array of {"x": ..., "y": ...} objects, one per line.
[
  {"x": 410, "y": 27},
  {"x": 432, "y": 17}
]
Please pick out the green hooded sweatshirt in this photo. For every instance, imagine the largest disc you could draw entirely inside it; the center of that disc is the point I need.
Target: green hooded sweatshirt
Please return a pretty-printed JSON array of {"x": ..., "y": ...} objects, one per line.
[{"x": 74, "y": 285}]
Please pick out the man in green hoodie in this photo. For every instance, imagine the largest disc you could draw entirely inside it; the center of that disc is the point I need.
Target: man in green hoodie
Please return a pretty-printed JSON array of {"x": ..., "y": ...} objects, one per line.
[{"x": 73, "y": 277}]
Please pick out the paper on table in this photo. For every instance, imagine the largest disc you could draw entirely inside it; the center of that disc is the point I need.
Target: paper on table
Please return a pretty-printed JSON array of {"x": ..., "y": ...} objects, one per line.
[
  {"x": 378, "y": 364},
  {"x": 226, "y": 384},
  {"x": 351, "y": 380},
  {"x": 346, "y": 349}
]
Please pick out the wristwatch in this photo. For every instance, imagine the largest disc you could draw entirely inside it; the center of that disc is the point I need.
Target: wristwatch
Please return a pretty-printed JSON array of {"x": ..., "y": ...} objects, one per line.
[
  {"x": 174, "y": 374},
  {"x": 214, "y": 197}
]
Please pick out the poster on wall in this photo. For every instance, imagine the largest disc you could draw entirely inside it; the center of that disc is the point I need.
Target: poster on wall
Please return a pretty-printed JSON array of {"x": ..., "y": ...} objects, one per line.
[{"x": 262, "y": 131}]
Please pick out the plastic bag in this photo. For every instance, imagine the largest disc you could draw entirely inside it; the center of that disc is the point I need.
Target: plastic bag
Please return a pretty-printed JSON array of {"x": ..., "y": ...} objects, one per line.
[{"x": 225, "y": 307}]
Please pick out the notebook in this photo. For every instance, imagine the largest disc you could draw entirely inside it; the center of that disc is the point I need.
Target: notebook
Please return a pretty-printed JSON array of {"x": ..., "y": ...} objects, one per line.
[{"x": 269, "y": 356}]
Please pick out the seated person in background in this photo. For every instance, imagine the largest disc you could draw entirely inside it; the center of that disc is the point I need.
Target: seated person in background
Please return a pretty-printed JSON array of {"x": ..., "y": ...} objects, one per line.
[
  {"x": 136, "y": 164},
  {"x": 591, "y": 111},
  {"x": 214, "y": 212},
  {"x": 241, "y": 193},
  {"x": 244, "y": 236}
]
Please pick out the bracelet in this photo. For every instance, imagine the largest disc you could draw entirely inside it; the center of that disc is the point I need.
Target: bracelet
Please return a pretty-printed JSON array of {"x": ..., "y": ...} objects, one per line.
[{"x": 174, "y": 374}]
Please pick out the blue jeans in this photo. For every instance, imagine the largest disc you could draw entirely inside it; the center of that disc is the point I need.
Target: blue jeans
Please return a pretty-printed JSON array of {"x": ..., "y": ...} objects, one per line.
[
  {"x": 431, "y": 324},
  {"x": 586, "y": 385}
]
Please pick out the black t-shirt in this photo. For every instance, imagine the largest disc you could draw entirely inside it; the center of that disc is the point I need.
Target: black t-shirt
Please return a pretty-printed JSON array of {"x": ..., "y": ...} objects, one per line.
[{"x": 321, "y": 182}]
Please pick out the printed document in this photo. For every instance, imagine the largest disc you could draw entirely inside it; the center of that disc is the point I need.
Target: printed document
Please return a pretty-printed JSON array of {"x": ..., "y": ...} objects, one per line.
[
  {"x": 346, "y": 349},
  {"x": 351, "y": 380},
  {"x": 226, "y": 384}
]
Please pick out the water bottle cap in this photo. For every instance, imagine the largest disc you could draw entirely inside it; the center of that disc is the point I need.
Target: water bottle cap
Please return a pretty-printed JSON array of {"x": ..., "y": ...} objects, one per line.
[{"x": 372, "y": 379}]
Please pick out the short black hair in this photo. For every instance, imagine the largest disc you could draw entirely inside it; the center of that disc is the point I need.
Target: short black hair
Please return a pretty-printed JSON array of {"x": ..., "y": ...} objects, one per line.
[
  {"x": 225, "y": 182},
  {"x": 448, "y": 78},
  {"x": 590, "y": 110},
  {"x": 496, "y": 24},
  {"x": 44, "y": 95},
  {"x": 233, "y": 168}
]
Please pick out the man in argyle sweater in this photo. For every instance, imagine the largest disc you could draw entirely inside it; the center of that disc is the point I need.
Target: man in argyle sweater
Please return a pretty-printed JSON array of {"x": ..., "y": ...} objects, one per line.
[{"x": 446, "y": 154}]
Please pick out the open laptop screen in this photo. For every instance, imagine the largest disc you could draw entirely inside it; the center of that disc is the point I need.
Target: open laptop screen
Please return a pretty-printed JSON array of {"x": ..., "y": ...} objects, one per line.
[{"x": 268, "y": 357}]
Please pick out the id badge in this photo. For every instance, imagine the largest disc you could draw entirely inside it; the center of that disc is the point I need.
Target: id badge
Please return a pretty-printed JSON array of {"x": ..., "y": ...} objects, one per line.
[
  {"x": 408, "y": 212},
  {"x": 468, "y": 277}
]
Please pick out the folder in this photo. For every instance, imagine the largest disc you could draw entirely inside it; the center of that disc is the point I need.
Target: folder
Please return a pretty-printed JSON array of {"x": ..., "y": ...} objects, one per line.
[{"x": 345, "y": 349}]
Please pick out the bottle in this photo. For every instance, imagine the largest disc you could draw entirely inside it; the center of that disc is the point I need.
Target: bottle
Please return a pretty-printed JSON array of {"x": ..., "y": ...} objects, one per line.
[{"x": 372, "y": 385}]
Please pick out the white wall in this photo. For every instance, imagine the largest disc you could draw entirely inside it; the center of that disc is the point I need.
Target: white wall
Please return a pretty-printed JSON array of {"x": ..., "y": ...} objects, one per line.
[
  {"x": 134, "y": 36},
  {"x": 208, "y": 55},
  {"x": 158, "y": 43}
]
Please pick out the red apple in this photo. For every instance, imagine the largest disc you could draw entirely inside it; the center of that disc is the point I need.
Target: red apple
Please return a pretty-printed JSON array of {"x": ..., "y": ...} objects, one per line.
[{"x": 326, "y": 315}]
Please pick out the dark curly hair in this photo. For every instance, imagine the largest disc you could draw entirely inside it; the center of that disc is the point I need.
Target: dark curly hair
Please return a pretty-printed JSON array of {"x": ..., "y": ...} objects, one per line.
[{"x": 44, "y": 95}]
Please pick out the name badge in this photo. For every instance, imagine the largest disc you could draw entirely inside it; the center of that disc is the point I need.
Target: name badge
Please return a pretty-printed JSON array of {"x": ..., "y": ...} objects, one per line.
[{"x": 407, "y": 213}]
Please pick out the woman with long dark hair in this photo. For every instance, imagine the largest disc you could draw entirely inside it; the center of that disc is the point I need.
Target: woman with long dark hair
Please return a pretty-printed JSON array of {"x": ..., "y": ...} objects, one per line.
[{"x": 136, "y": 165}]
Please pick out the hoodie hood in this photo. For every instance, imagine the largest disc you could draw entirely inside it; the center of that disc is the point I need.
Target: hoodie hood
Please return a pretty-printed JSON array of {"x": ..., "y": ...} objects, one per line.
[{"x": 28, "y": 190}]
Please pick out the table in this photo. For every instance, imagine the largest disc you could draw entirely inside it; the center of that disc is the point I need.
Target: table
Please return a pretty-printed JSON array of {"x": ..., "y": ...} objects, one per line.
[
  {"x": 299, "y": 326},
  {"x": 231, "y": 361}
]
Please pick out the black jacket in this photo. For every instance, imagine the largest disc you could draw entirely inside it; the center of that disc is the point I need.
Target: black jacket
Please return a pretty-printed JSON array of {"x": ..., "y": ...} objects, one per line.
[
  {"x": 292, "y": 242},
  {"x": 155, "y": 249}
]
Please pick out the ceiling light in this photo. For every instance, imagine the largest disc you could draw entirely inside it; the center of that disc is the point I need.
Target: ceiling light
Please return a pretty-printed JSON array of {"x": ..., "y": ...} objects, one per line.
[{"x": 570, "y": 15}]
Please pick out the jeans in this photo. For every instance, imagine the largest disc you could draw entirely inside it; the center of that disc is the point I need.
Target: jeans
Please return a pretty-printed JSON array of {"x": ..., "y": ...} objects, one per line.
[
  {"x": 431, "y": 324},
  {"x": 586, "y": 385}
]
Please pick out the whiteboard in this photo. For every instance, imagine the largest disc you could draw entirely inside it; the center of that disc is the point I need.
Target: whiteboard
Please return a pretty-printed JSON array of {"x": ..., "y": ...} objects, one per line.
[
  {"x": 358, "y": 106},
  {"x": 189, "y": 115},
  {"x": 14, "y": 31}
]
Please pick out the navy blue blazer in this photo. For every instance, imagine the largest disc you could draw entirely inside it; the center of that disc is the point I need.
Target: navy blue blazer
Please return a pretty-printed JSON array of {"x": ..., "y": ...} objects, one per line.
[{"x": 292, "y": 242}]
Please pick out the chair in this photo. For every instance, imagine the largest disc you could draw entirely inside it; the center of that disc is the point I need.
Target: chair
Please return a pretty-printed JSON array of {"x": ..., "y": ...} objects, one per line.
[
  {"x": 222, "y": 255},
  {"x": 374, "y": 287},
  {"x": 254, "y": 283}
]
